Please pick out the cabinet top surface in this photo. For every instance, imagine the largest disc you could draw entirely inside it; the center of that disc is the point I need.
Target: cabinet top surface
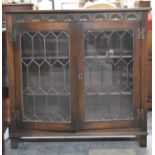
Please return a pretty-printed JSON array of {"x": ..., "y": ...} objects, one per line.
[
  {"x": 78, "y": 11},
  {"x": 17, "y": 4}
]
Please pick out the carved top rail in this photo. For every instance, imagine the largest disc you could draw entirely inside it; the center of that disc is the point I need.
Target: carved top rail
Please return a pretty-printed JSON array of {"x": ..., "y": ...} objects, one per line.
[{"x": 78, "y": 15}]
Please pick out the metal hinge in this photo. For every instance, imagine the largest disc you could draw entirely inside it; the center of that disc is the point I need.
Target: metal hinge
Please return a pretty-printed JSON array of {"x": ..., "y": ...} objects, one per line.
[
  {"x": 12, "y": 36},
  {"x": 141, "y": 33},
  {"x": 16, "y": 114},
  {"x": 140, "y": 114}
]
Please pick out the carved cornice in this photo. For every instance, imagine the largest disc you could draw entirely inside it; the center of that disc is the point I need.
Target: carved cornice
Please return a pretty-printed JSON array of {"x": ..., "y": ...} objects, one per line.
[{"x": 105, "y": 16}]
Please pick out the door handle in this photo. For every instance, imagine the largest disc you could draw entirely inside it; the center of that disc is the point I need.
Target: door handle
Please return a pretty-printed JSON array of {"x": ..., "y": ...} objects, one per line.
[{"x": 80, "y": 76}]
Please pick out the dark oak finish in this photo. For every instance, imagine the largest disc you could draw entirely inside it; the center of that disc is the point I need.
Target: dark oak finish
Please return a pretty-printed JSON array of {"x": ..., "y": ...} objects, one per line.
[
  {"x": 149, "y": 67},
  {"x": 139, "y": 4},
  {"x": 6, "y": 101},
  {"x": 9, "y": 7},
  {"x": 143, "y": 140},
  {"x": 42, "y": 26},
  {"x": 10, "y": 62},
  {"x": 38, "y": 43},
  {"x": 74, "y": 75},
  {"x": 45, "y": 125},
  {"x": 136, "y": 70},
  {"x": 118, "y": 25}
]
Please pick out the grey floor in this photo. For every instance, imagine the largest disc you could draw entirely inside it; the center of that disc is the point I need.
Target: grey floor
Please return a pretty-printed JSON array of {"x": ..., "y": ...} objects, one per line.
[{"x": 117, "y": 147}]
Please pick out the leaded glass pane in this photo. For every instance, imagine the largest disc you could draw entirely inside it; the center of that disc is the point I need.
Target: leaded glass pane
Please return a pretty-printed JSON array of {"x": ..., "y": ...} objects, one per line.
[
  {"x": 102, "y": 44},
  {"x": 108, "y": 75},
  {"x": 38, "y": 44},
  {"x": 45, "y": 73},
  {"x": 63, "y": 44},
  {"x": 33, "y": 76},
  {"x": 28, "y": 102},
  {"x": 26, "y": 45},
  {"x": 51, "y": 45}
]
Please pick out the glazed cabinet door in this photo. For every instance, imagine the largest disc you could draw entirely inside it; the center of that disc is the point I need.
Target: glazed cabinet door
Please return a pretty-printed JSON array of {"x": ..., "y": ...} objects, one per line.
[
  {"x": 110, "y": 67},
  {"x": 44, "y": 63}
]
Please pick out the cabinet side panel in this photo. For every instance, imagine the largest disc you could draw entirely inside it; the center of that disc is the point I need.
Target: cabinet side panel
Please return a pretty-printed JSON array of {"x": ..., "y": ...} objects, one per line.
[
  {"x": 144, "y": 72},
  {"x": 10, "y": 68}
]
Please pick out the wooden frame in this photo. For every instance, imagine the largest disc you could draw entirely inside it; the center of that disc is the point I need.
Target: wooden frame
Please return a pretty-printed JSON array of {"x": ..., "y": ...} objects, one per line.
[
  {"x": 136, "y": 79},
  {"x": 85, "y": 20},
  {"x": 58, "y": 26}
]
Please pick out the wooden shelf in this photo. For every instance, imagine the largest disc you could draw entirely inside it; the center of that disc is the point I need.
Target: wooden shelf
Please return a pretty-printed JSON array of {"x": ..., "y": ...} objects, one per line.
[{"x": 108, "y": 56}]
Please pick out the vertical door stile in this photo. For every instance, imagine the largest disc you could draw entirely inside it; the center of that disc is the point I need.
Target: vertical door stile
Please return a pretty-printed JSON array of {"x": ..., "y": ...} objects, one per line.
[
  {"x": 136, "y": 71},
  {"x": 81, "y": 77},
  {"x": 18, "y": 78},
  {"x": 144, "y": 69},
  {"x": 73, "y": 74}
]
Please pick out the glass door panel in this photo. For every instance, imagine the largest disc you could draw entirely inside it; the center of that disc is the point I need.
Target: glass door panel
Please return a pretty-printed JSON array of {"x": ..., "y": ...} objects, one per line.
[
  {"x": 108, "y": 61},
  {"x": 46, "y": 75}
]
